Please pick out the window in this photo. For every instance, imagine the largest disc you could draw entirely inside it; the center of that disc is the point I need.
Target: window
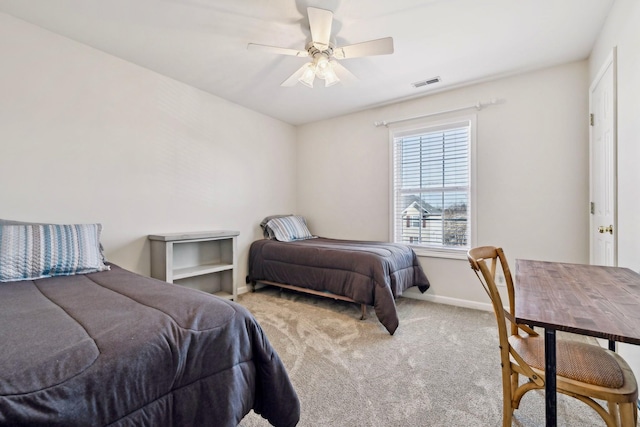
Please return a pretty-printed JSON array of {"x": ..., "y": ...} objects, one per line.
[{"x": 432, "y": 200}]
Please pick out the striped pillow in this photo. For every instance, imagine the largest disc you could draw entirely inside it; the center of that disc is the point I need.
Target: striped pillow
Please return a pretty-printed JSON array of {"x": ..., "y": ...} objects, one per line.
[
  {"x": 29, "y": 252},
  {"x": 14, "y": 222},
  {"x": 289, "y": 228}
]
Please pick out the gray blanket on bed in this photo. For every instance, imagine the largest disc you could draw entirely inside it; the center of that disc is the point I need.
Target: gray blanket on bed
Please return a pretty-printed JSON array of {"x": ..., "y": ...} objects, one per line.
[
  {"x": 371, "y": 273},
  {"x": 116, "y": 348}
]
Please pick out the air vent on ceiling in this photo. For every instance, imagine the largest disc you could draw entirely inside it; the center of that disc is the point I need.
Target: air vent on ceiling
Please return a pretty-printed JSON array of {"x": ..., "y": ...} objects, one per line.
[{"x": 426, "y": 82}]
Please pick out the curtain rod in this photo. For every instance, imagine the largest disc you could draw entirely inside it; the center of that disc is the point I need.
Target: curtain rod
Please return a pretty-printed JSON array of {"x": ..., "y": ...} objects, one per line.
[{"x": 478, "y": 106}]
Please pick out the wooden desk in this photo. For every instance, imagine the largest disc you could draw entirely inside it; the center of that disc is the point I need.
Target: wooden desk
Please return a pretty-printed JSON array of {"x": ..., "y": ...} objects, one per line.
[{"x": 598, "y": 301}]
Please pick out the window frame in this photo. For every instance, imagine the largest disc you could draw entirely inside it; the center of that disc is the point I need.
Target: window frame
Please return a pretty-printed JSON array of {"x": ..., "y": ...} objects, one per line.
[{"x": 430, "y": 125}]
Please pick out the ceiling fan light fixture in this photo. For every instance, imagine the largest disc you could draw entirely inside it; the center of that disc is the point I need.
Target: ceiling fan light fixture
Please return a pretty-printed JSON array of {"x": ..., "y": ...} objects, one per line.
[
  {"x": 330, "y": 81},
  {"x": 330, "y": 76},
  {"x": 308, "y": 76},
  {"x": 322, "y": 66}
]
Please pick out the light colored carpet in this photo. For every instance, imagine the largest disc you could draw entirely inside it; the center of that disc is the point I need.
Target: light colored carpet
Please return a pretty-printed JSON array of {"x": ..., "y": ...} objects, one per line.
[{"x": 441, "y": 368}]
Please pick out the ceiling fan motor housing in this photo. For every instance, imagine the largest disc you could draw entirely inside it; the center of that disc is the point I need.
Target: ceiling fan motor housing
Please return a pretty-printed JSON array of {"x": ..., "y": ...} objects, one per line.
[{"x": 321, "y": 59}]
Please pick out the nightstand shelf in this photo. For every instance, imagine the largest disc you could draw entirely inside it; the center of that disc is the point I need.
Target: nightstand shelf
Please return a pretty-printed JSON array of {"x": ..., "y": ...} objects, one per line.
[
  {"x": 199, "y": 270},
  {"x": 205, "y": 260}
]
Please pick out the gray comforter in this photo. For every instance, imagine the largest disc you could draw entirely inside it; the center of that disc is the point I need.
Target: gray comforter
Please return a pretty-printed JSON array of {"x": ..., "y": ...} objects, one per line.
[
  {"x": 116, "y": 348},
  {"x": 371, "y": 273}
]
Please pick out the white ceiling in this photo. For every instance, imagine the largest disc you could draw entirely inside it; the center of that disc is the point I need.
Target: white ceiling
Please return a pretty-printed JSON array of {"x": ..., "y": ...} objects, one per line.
[{"x": 203, "y": 43}]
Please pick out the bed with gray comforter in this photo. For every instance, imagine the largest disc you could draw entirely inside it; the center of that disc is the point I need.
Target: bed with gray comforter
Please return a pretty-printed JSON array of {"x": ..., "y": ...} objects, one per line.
[
  {"x": 115, "y": 348},
  {"x": 370, "y": 273}
]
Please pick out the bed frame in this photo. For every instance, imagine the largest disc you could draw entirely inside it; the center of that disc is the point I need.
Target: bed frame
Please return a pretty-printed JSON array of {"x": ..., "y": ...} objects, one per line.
[{"x": 324, "y": 294}]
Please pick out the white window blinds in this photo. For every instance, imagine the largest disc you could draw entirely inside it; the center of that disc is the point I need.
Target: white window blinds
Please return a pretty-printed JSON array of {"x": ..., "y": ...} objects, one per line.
[{"x": 431, "y": 186}]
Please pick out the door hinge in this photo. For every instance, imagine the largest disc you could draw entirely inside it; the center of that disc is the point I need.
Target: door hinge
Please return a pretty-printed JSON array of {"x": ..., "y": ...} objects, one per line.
[
  {"x": 591, "y": 119},
  {"x": 592, "y": 208}
]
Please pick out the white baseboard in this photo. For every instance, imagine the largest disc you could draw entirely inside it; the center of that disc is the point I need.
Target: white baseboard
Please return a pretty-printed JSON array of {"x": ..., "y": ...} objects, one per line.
[
  {"x": 246, "y": 288},
  {"x": 450, "y": 301}
]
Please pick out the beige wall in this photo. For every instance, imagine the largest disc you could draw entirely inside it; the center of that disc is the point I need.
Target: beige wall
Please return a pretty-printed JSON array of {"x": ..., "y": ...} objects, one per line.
[
  {"x": 532, "y": 173},
  {"x": 87, "y": 137}
]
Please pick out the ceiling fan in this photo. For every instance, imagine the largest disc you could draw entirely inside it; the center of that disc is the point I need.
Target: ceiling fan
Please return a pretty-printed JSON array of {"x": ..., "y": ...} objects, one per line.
[{"x": 324, "y": 53}]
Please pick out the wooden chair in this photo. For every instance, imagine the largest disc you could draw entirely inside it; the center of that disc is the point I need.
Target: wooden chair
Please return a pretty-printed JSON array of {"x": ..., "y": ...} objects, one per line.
[{"x": 584, "y": 371}]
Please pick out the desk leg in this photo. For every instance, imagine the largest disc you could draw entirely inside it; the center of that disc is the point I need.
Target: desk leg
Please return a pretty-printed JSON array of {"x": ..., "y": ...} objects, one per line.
[
  {"x": 550, "y": 397},
  {"x": 612, "y": 345}
]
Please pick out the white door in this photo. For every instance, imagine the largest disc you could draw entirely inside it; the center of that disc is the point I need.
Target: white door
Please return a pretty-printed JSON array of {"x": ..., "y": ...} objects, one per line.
[{"x": 602, "y": 171}]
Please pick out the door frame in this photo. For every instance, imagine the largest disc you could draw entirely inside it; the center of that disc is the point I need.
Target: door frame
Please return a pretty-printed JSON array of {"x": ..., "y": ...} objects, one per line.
[{"x": 611, "y": 61}]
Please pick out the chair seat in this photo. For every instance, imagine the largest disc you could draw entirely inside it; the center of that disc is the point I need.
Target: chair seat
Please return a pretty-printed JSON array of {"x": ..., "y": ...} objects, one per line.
[{"x": 578, "y": 361}]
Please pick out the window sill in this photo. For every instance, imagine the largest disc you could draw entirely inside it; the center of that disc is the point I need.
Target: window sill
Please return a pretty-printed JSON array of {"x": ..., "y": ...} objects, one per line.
[{"x": 440, "y": 253}]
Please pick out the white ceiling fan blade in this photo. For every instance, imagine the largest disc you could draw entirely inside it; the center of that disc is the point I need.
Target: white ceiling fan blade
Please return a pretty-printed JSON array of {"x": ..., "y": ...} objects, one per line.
[
  {"x": 345, "y": 76},
  {"x": 293, "y": 79},
  {"x": 372, "y": 47},
  {"x": 320, "y": 21},
  {"x": 276, "y": 50}
]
